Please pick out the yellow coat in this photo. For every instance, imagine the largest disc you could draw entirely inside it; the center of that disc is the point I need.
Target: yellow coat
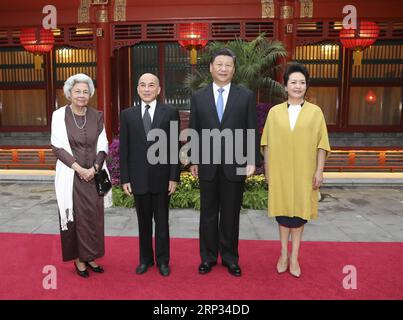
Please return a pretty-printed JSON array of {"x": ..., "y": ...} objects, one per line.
[{"x": 293, "y": 159}]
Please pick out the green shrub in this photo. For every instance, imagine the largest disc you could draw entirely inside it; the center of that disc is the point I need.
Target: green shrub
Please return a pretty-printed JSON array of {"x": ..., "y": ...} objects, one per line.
[
  {"x": 256, "y": 199},
  {"x": 185, "y": 199},
  {"x": 187, "y": 194},
  {"x": 256, "y": 182},
  {"x": 120, "y": 199}
]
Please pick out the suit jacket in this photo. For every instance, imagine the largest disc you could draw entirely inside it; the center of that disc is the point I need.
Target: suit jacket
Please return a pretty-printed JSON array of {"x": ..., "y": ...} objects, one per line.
[
  {"x": 134, "y": 167},
  {"x": 239, "y": 113}
]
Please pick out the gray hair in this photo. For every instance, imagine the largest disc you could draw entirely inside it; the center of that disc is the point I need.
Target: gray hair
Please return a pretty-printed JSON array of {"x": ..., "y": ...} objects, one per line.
[{"x": 78, "y": 78}]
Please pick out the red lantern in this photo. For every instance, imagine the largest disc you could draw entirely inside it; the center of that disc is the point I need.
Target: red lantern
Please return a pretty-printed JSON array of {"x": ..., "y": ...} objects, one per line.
[
  {"x": 193, "y": 36},
  {"x": 360, "y": 38},
  {"x": 38, "y": 42}
]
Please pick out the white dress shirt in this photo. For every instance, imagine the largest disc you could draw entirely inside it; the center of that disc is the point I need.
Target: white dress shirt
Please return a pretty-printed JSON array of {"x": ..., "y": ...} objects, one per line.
[
  {"x": 225, "y": 93},
  {"x": 293, "y": 112},
  {"x": 151, "y": 110}
]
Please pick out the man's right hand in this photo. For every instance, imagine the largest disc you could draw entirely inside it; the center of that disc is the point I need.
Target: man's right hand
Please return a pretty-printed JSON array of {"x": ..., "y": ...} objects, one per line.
[
  {"x": 194, "y": 170},
  {"x": 127, "y": 189}
]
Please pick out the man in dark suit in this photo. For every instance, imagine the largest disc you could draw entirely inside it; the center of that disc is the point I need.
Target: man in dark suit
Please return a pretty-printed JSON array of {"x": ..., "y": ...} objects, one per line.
[
  {"x": 151, "y": 184},
  {"x": 222, "y": 107}
]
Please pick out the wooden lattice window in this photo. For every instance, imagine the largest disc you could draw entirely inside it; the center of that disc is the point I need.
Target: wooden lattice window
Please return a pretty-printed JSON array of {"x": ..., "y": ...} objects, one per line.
[
  {"x": 17, "y": 68},
  {"x": 382, "y": 61},
  {"x": 70, "y": 61},
  {"x": 144, "y": 59},
  {"x": 174, "y": 67},
  {"x": 22, "y": 89},
  {"x": 375, "y": 92},
  {"x": 323, "y": 62}
]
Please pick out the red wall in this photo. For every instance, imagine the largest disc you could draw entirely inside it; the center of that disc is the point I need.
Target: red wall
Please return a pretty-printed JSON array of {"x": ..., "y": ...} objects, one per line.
[
  {"x": 15, "y": 13},
  {"x": 193, "y": 9},
  {"x": 365, "y": 8}
]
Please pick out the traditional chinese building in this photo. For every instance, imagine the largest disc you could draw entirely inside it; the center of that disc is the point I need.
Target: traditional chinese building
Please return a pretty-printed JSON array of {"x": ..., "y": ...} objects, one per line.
[{"x": 114, "y": 41}]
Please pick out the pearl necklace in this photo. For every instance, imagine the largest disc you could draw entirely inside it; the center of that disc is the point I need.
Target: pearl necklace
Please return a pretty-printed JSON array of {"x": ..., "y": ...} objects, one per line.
[{"x": 74, "y": 118}]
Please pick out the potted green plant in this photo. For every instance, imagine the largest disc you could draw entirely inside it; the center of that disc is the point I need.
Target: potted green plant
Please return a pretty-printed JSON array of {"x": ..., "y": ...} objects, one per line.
[{"x": 257, "y": 63}]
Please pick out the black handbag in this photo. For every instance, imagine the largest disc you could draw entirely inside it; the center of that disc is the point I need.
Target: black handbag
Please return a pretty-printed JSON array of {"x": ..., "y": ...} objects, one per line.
[{"x": 102, "y": 182}]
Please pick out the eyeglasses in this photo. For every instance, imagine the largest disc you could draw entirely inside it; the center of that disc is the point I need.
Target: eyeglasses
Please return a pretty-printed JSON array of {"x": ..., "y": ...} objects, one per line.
[
  {"x": 79, "y": 93},
  {"x": 222, "y": 65}
]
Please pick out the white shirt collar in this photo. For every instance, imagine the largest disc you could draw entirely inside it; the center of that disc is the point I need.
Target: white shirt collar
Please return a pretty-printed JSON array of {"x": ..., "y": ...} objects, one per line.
[
  {"x": 152, "y": 104},
  {"x": 225, "y": 93},
  {"x": 226, "y": 87},
  {"x": 151, "y": 111}
]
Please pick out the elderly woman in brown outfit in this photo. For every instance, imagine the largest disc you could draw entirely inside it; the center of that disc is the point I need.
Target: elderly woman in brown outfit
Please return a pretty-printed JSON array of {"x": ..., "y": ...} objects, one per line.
[{"x": 79, "y": 142}]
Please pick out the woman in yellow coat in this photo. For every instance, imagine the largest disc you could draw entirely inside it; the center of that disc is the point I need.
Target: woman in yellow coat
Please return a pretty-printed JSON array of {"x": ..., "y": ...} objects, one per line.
[{"x": 295, "y": 145}]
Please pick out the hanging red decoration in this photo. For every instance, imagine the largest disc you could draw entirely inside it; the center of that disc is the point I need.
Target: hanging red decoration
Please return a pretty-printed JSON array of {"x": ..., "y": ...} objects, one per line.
[
  {"x": 359, "y": 39},
  {"x": 193, "y": 36},
  {"x": 38, "y": 42},
  {"x": 370, "y": 97}
]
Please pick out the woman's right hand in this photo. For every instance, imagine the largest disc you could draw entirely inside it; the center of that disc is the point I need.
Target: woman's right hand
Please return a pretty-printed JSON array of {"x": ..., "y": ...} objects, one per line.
[
  {"x": 88, "y": 174},
  {"x": 84, "y": 174}
]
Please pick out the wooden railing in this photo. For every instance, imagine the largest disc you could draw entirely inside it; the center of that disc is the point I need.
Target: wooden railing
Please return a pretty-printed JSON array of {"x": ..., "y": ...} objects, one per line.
[
  {"x": 27, "y": 159},
  {"x": 365, "y": 160},
  {"x": 339, "y": 160}
]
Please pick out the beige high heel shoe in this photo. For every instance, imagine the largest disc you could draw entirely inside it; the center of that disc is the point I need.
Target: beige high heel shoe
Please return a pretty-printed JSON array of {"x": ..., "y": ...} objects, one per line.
[
  {"x": 296, "y": 272},
  {"x": 281, "y": 266}
]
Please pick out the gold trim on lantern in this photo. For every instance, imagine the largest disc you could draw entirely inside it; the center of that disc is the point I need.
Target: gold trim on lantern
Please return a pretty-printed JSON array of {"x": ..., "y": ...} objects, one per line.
[
  {"x": 193, "y": 56},
  {"x": 38, "y": 60},
  {"x": 357, "y": 57}
]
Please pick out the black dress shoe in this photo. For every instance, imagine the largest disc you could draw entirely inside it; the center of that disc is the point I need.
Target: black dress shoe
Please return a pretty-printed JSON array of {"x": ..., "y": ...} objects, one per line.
[
  {"x": 205, "y": 267},
  {"x": 83, "y": 273},
  {"x": 164, "y": 270},
  {"x": 233, "y": 269},
  {"x": 143, "y": 267},
  {"x": 97, "y": 269}
]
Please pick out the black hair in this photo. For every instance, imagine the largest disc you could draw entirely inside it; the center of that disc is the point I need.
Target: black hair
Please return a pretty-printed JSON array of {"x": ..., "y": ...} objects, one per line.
[
  {"x": 223, "y": 52},
  {"x": 296, "y": 67}
]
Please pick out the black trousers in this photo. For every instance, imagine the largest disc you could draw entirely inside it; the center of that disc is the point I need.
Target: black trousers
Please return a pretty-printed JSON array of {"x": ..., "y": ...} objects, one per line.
[
  {"x": 220, "y": 204},
  {"x": 149, "y": 206}
]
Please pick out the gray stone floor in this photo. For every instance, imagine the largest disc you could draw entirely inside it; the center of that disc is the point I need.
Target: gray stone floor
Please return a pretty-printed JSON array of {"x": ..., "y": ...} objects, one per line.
[{"x": 364, "y": 213}]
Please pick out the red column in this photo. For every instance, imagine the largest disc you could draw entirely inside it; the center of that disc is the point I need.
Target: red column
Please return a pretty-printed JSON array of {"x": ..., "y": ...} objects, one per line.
[
  {"x": 103, "y": 50},
  {"x": 50, "y": 89},
  {"x": 161, "y": 71},
  {"x": 286, "y": 13}
]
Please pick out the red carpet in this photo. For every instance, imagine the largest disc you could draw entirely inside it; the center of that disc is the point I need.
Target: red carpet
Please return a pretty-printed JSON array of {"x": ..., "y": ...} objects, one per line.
[{"x": 379, "y": 272}]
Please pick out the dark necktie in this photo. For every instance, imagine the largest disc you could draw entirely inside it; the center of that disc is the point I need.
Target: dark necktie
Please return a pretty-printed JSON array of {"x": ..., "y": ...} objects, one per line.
[{"x": 147, "y": 120}]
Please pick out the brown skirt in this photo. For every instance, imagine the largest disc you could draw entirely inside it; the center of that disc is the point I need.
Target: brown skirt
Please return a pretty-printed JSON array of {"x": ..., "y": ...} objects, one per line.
[{"x": 84, "y": 237}]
